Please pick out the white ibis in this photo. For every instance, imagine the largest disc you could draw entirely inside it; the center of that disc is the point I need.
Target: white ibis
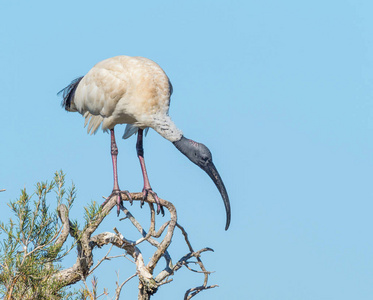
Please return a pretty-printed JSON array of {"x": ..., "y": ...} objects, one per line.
[{"x": 135, "y": 91}]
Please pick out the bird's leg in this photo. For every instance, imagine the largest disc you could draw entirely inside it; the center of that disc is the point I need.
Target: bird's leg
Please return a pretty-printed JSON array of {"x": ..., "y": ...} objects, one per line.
[
  {"x": 147, "y": 188},
  {"x": 116, "y": 190}
]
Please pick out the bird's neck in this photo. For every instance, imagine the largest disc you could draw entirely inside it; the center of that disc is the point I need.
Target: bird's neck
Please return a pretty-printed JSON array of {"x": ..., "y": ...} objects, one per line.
[
  {"x": 167, "y": 128},
  {"x": 181, "y": 144}
]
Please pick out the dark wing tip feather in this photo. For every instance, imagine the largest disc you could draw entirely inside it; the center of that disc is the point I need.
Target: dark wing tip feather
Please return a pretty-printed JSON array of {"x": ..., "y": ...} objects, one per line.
[
  {"x": 171, "y": 87},
  {"x": 68, "y": 92}
]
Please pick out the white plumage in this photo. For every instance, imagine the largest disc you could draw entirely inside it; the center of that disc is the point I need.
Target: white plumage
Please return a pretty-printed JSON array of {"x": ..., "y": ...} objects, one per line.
[{"x": 126, "y": 90}]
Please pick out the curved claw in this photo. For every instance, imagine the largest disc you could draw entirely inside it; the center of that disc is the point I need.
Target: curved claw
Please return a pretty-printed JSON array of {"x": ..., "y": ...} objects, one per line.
[
  {"x": 128, "y": 196},
  {"x": 119, "y": 200},
  {"x": 145, "y": 193}
]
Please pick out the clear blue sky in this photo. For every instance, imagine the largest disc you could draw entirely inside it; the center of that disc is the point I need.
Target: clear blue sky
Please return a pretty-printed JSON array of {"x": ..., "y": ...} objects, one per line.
[{"x": 280, "y": 91}]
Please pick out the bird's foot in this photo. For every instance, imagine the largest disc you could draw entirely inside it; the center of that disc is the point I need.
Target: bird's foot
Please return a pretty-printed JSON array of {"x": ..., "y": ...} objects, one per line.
[
  {"x": 118, "y": 192},
  {"x": 145, "y": 192},
  {"x": 119, "y": 199},
  {"x": 128, "y": 194}
]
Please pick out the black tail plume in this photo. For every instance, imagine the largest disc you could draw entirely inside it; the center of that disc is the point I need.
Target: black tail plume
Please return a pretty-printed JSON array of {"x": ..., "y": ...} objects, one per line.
[{"x": 68, "y": 93}]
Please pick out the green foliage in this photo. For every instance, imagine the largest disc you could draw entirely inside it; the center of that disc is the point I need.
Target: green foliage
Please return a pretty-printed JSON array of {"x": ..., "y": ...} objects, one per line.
[
  {"x": 92, "y": 212},
  {"x": 29, "y": 254}
]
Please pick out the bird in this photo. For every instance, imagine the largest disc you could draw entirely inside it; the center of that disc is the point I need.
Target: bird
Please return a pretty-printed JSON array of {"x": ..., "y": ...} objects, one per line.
[{"x": 135, "y": 91}]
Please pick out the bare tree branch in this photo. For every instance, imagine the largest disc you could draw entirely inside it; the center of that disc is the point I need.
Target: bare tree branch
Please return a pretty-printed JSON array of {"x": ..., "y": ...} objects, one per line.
[
  {"x": 148, "y": 284},
  {"x": 101, "y": 260},
  {"x": 63, "y": 214},
  {"x": 119, "y": 287},
  {"x": 194, "y": 291}
]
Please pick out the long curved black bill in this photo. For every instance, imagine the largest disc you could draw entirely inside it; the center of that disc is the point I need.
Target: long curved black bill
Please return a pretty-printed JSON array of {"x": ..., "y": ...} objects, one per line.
[{"x": 210, "y": 169}]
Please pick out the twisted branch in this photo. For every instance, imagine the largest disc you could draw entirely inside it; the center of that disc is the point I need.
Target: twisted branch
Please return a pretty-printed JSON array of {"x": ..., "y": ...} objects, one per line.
[{"x": 148, "y": 284}]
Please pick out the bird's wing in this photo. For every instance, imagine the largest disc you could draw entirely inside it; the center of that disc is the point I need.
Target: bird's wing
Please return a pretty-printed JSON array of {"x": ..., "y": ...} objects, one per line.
[
  {"x": 94, "y": 122},
  {"x": 132, "y": 129},
  {"x": 146, "y": 131}
]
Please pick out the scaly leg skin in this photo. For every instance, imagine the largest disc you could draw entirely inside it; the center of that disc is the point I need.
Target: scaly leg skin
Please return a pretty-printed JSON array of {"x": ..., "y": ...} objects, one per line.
[
  {"x": 147, "y": 188},
  {"x": 116, "y": 190}
]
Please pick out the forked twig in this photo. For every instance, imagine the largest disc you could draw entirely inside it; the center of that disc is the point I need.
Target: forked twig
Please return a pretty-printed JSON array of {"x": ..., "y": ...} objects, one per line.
[{"x": 119, "y": 287}]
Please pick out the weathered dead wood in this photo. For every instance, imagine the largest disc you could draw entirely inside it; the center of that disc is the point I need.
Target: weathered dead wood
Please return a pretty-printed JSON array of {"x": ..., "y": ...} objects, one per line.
[{"x": 148, "y": 283}]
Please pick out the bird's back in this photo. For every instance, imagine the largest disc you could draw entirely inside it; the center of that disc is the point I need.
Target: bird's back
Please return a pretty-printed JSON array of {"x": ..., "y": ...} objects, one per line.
[{"x": 123, "y": 89}]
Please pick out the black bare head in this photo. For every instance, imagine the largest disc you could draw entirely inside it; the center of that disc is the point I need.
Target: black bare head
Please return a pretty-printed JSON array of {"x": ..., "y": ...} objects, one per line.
[
  {"x": 68, "y": 94},
  {"x": 201, "y": 156}
]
